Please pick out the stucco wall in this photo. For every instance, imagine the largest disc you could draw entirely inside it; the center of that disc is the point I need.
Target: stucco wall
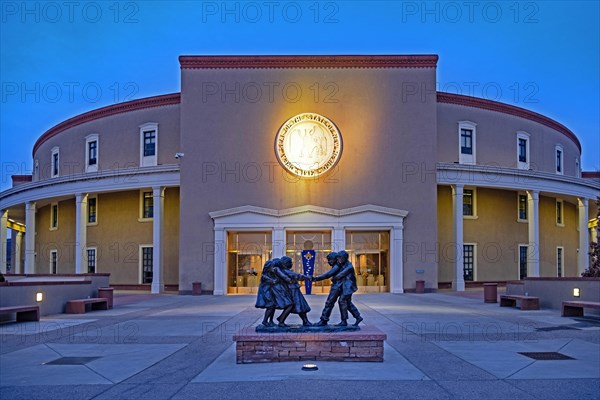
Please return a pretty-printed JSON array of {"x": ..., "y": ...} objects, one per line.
[
  {"x": 498, "y": 233},
  {"x": 117, "y": 236},
  {"x": 496, "y": 139},
  {"x": 119, "y": 141},
  {"x": 383, "y": 133}
]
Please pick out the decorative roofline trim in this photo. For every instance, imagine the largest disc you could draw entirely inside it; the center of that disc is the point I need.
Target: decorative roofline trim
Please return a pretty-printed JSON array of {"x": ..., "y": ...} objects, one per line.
[
  {"x": 139, "y": 104},
  {"x": 468, "y": 101},
  {"x": 310, "y": 61},
  {"x": 307, "y": 209},
  {"x": 590, "y": 174}
]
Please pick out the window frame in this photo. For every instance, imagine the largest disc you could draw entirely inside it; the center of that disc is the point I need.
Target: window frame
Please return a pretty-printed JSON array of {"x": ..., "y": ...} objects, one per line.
[
  {"x": 151, "y": 160},
  {"x": 141, "y": 262},
  {"x": 94, "y": 137},
  {"x": 53, "y": 261},
  {"x": 522, "y": 135},
  {"x": 519, "y": 196},
  {"x": 560, "y": 261},
  {"x": 53, "y": 216},
  {"x": 561, "y": 222},
  {"x": 465, "y": 158},
  {"x": 95, "y": 258},
  {"x": 95, "y": 199},
  {"x": 474, "y": 261},
  {"x": 559, "y": 159},
  {"x": 142, "y": 217},
  {"x": 520, "y": 246},
  {"x": 55, "y": 162},
  {"x": 473, "y": 202}
]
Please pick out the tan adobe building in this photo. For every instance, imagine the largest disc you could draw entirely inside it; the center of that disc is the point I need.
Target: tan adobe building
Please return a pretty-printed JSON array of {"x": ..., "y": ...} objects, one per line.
[{"x": 263, "y": 156}]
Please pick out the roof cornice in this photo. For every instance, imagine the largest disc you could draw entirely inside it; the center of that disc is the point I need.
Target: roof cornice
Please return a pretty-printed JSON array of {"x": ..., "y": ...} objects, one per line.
[{"x": 309, "y": 61}]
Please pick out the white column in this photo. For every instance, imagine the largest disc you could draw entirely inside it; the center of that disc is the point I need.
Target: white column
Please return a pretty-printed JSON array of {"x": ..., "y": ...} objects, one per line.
[
  {"x": 583, "y": 261},
  {"x": 18, "y": 238},
  {"x": 3, "y": 240},
  {"x": 397, "y": 270},
  {"x": 533, "y": 216},
  {"x": 278, "y": 242},
  {"x": 338, "y": 239},
  {"x": 458, "y": 283},
  {"x": 158, "y": 205},
  {"x": 81, "y": 233},
  {"x": 220, "y": 257},
  {"x": 29, "y": 237}
]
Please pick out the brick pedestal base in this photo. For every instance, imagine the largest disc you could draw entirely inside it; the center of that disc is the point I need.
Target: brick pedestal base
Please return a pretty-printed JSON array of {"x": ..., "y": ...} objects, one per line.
[{"x": 363, "y": 345}]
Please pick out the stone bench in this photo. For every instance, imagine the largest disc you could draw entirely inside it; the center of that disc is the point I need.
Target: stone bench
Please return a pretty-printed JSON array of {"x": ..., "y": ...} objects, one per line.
[
  {"x": 527, "y": 302},
  {"x": 23, "y": 313},
  {"x": 80, "y": 306},
  {"x": 575, "y": 308},
  {"x": 365, "y": 344}
]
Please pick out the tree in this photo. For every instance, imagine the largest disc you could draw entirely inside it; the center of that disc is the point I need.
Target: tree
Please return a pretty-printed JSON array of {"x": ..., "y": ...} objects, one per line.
[{"x": 594, "y": 269}]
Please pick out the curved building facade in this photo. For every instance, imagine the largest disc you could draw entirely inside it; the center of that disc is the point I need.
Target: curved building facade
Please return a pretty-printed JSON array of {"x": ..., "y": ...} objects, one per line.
[{"x": 263, "y": 156}]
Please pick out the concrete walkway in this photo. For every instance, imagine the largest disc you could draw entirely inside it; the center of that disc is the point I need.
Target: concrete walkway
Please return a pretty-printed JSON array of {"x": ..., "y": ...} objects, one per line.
[{"x": 440, "y": 346}]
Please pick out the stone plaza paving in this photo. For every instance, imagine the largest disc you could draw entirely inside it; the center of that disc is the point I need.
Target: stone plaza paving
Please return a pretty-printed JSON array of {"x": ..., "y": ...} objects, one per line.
[{"x": 439, "y": 346}]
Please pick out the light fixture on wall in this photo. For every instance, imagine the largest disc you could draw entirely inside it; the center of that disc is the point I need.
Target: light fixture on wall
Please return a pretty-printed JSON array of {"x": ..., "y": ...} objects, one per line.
[
  {"x": 39, "y": 297},
  {"x": 576, "y": 292}
]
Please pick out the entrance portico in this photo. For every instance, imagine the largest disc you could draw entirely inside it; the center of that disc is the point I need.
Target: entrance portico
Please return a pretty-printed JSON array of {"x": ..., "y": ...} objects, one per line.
[{"x": 308, "y": 218}]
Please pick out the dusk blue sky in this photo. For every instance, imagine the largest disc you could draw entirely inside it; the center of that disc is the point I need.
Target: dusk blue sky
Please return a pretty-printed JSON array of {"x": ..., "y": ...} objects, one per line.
[{"x": 57, "y": 62}]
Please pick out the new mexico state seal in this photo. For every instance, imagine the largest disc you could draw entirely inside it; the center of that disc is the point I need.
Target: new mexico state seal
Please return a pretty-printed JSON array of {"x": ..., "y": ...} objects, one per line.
[{"x": 308, "y": 145}]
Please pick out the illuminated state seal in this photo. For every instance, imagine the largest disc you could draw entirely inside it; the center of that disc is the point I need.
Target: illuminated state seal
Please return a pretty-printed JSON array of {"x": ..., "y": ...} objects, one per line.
[{"x": 308, "y": 145}]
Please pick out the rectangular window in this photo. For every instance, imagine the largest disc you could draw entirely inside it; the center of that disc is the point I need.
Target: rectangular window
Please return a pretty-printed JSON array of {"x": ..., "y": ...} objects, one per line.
[
  {"x": 466, "y": 141},
  {"x": 92, "y": 210},
  {"x": 577, "y": 168},
  {"x": 54, "y": 216},
  {"x": 149, "y": 143},
  {"x": 522, "y": 150},
  {"x": 559, "y": 213},
  {"x": 468, "y": 203},
  {"x": 91, "y": 261},
  {"x": 559, "y": 159},
  {"x": 559, "y": 262},
  {"x": 53, "y": 261},
  {"x": 147, "y": 264},
  {"x": 522, "y": 207},
  {"x": 55, "y": 163},
  {"x": 92, "y": 152},
  {"x": 523, "y": 250},
  {"x": 468, "y": 261},
  {"x": 148, "y": 205}
]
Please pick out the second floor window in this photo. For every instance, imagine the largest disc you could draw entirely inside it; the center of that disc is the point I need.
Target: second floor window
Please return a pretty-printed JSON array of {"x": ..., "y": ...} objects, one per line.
[
  {"x": 522, "y": 150},
  {"x": 149, "y": 143},
  {"x": 466, "y": 141},
  {"x": 92, "y": 153}
]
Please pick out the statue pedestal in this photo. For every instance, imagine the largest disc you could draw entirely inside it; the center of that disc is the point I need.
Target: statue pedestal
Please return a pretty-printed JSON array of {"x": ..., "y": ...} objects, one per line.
[{"x": 365, "y": 344}]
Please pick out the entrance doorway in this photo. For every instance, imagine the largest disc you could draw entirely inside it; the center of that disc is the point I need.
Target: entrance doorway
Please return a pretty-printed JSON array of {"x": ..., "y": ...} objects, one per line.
[
  {"x": 369, "y": 253},
  {"x": 246, "y": 254},
  {"x": 298, "y": 242}
]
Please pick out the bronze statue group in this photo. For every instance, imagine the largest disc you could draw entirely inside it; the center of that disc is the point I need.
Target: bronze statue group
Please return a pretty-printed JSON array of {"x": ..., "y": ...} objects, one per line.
[{"x": 279, "y": 290}]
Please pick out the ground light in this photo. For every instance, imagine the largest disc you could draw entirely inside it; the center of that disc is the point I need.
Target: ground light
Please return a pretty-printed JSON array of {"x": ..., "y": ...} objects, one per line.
[{"x": 310, "y": 367}]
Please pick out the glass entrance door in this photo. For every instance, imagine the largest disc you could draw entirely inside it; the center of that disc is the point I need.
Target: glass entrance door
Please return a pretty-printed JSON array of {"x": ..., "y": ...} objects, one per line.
[
  {"x": 246, "y": 254},
  {"x": 369, "y": 253},
  {"x": 320, "y": 243}
]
